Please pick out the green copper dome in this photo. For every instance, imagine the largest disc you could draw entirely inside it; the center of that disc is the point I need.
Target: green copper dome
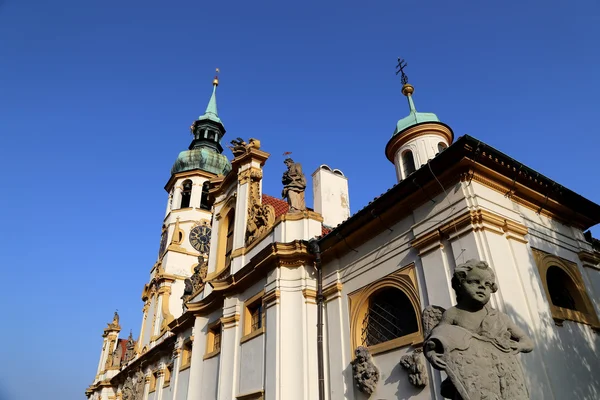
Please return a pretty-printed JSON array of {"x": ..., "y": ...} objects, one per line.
[
  {"x": 203, "y": 158},
  {"x": 205, "y": 151},
  {"x": 414, "y": 117}
]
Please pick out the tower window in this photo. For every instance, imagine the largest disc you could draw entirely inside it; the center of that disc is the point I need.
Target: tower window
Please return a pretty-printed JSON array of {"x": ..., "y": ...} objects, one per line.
[
  {"x": 186, "y": 194},
  {"x": 390, "y": 315},
  {"x": 211, "y": 135},
  {"x": 204, "y": 199},
  {"x": 441, "y": 147},
  {"x": 408, "y": 163}
]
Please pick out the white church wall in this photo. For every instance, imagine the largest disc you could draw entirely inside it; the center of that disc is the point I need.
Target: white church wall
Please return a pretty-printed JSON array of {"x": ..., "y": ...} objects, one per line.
[
  {"x": 183, "y": 383},
  {"x": 565, "y": 354},
  {"x": 147, "y": 332},
  {"x": 250, "y": 358},
  {"x": 167, "y": 392},
  {"x": 593, "y": 276},
  {"x": 251, "y": 371},
  {"x": 210, "y": 378}
]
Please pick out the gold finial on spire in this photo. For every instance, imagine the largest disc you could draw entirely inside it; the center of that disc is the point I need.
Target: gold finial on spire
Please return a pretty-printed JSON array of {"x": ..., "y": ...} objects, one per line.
[{"x": 216, "y": 80}]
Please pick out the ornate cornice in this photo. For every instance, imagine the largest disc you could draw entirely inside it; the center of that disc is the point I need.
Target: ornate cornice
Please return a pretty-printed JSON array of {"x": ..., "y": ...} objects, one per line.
[{"x": 471, "y": 220}]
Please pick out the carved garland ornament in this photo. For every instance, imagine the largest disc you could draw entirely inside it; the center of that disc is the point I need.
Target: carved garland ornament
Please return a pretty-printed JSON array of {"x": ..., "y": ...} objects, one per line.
[
  {"x": 261, "y": 217},
  {"x": 195, "y": 283}
]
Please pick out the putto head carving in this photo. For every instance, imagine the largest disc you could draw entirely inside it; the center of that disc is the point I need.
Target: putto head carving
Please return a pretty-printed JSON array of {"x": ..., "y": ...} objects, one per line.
[{"x": 474, "y": 281}]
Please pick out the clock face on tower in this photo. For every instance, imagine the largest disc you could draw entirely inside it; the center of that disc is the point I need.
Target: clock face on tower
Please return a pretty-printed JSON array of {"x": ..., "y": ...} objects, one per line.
[
  {"x": 163, "y": 242},
  {"x": 200, "y": 237}
]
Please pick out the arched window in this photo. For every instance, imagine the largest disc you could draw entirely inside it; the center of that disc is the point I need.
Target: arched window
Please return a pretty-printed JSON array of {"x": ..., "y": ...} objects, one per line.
[
  {"x": 390, "y": 315},
  {"x": 186, "y": 194},
  {"x": 229, "y": 243},
  {"x": 408, "y": 163},
  {"x": 386, "y": 314},
  {"x": 441, "y": 147},
  {"x": 225, "y": 243},
  {"x": 562, "y": 289},
  {"x": 204, "y": 198},
  {"x": 565, "y": 290},
  {"x": 211, "y": 135}
]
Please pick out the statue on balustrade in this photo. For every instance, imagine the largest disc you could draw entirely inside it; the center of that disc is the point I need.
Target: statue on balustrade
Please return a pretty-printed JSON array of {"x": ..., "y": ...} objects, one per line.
[
  {"x": 476, "y": 345},
  {"x": 294, "y": 184}
]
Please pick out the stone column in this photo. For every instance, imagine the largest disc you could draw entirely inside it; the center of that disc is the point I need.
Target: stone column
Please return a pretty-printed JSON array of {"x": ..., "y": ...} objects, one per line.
[{"x": 230, "y": 344}]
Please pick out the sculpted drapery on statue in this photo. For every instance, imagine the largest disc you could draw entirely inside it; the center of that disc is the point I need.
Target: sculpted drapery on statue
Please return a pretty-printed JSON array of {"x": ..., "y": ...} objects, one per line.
[
  {"x": 476, "y": 345},
  {"x": 294, "y": 184}
]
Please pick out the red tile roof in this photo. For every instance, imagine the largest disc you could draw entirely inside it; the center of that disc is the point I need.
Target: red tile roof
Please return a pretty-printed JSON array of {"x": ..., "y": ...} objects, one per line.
[
  {"x": 123, "y": 344},
  {"x": 281, "y": 206},
  {"x": 325, "y": 230}
]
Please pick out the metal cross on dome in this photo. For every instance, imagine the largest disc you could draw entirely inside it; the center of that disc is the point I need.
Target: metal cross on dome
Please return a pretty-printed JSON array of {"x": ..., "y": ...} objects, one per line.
[{"x": 400, "y": 70}]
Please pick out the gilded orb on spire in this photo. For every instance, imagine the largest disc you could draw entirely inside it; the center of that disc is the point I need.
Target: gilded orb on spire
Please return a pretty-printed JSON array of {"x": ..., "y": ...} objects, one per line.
[{"x": 216, "y": 80}]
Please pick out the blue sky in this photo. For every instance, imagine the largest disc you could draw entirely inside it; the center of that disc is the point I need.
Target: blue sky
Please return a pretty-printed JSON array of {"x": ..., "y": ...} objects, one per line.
[{"x": 96, "y": 98}]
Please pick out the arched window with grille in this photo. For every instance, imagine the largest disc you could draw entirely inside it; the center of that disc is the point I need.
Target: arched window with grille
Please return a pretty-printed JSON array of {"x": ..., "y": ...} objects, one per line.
[
  {"x": 186, "y": 194},
  {"x": 386, "y": 314},
  {"x": 390, "y": 315},
  {"x": 204, "y": 204},
  {"x": 562, "y": 289},
  {"x": 408, "y": 163}
]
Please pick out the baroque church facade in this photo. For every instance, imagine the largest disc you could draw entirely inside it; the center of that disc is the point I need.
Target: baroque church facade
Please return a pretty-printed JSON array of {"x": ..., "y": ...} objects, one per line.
[{"x": 254, "y": 297}]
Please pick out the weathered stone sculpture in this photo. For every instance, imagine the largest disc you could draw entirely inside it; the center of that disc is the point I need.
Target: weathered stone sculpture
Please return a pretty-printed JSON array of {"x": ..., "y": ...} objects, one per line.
[
  {"x": 260, "y": 219},
  {"x": 294, "y": 184},
  {"x": 366, "y": 374},
  {"x": 194, "y": 283},
  {"x": 129, "y": 349},
  {"x": 239, "y": 146},
  {"x": 413, "y": 364},
  {"x": 133, "y": 389},
  {"x": 476, "y": 345}
]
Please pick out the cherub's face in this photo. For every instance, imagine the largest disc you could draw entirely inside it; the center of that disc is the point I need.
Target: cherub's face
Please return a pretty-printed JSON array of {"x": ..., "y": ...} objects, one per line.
[{"x": 477, "y": 285}]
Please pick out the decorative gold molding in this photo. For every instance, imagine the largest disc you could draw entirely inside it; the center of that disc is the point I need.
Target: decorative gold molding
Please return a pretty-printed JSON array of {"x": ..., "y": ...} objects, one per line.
[
  {"x": 585, "y": 312},
  {"x": 471, "y": 220},
  {"x": 405, "y": 280},
  {"x": 310, "y": 296},
  {"x": 332, "y": 291},
  {"x": 250, "y": 174},
  {"x": 589, "y": 259},
  {"x": 230, "y": 321},
  {"x": 271, "y": 298},
  {"x": 412, "y": 133},
  {"x": 297, "y": 216}
]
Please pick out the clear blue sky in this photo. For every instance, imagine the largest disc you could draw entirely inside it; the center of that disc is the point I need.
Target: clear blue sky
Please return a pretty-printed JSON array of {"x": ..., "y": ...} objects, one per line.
[{"x": 96, "y": 98}]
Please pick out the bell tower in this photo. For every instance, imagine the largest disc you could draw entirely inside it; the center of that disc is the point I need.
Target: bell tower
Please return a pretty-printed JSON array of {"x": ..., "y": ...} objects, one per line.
[
  {"x": 418, "y": 137},
  {"x": 186, "y": 229}
]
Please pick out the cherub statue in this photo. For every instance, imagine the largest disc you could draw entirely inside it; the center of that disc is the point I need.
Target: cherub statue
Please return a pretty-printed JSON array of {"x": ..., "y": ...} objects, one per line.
[
  {"x": 366, "y": 374},
  {"x": 473, "y": 343}
]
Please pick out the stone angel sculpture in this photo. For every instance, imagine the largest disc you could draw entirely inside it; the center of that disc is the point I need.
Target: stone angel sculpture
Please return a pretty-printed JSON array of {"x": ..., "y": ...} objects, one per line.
[{"x": 476, "y": 345}]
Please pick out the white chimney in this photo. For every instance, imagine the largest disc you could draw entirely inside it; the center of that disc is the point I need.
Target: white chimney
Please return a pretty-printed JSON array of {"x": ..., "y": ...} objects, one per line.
[{"x": 330, "y": 193}]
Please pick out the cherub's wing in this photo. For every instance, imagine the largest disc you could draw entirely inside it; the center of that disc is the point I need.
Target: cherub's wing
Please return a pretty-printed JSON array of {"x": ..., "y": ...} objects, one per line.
[{"x": 432, "y": 315}]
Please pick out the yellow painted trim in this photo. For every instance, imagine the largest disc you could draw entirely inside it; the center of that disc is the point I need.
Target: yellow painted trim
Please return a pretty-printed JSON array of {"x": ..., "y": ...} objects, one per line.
[
  {"x": 210, "y": 338},
  {"x": 230, "y": 321},
  {"x": 248, "y": 304},
  {"x": 252, "y": 334}
]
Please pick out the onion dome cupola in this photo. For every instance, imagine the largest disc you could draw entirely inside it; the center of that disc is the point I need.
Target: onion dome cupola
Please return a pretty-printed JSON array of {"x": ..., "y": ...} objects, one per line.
[
  {"x": 205, "y": 152},
  {"x": 418, "y": 137}
]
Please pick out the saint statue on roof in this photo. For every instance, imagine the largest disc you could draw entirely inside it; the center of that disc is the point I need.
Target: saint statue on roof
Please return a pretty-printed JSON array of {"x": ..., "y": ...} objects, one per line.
[{"x": 294, "y": 184}]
